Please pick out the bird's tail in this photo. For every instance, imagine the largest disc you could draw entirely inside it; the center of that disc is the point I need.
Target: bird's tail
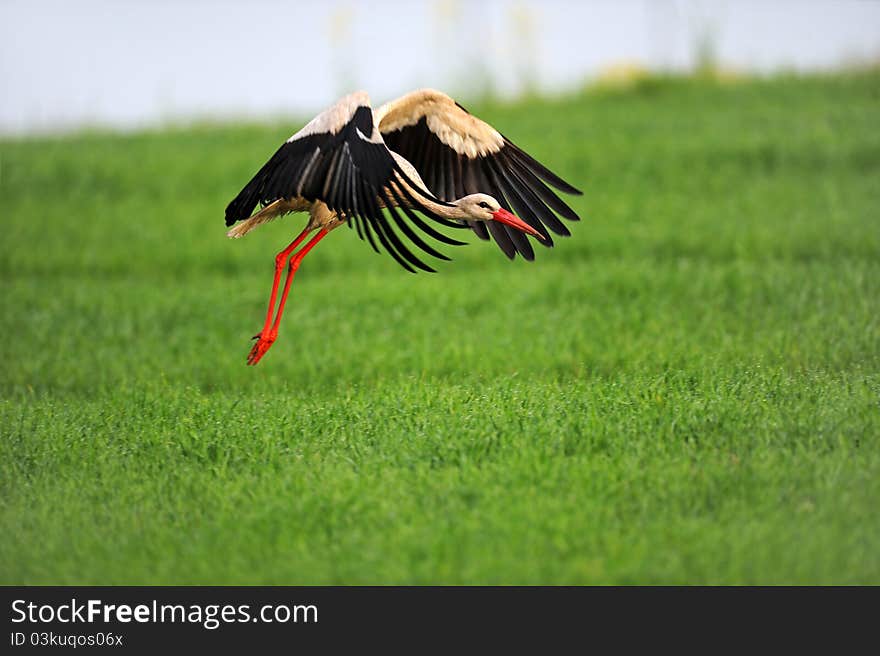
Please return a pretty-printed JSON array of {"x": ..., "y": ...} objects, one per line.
[{"x": 271, "y": 211}]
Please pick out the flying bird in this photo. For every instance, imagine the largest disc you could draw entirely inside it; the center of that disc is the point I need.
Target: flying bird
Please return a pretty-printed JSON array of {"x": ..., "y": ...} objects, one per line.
[{"x": 420, "y": 154}]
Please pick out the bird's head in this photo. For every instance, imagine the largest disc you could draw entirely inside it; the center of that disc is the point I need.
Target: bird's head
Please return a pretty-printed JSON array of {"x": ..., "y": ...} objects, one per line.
[{"x": 482, "y": 207}]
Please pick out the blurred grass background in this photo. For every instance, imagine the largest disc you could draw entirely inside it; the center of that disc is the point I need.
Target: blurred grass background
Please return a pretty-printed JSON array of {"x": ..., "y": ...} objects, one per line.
[{"x": 684, "y": 391}]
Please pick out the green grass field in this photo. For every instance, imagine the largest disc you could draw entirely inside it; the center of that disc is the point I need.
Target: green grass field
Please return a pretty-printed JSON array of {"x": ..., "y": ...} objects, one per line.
[{"x": 687, "y": 390}]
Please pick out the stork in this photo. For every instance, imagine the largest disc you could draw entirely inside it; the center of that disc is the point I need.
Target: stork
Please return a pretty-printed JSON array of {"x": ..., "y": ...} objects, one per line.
[{"x": 422, "y": 153}]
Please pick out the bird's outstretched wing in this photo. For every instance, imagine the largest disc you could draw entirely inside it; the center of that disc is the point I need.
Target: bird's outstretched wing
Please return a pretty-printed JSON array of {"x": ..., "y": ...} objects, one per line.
[
  {"x": 339, "y": 157},
  {"x": 458, "y": 154}
]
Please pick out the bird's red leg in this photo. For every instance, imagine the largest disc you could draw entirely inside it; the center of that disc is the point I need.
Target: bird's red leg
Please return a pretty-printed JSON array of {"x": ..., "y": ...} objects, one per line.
[
  {"x": 280, "y": 261},
  {"x": 294, "y": 265},
  {"x": 267, "y": 337}
]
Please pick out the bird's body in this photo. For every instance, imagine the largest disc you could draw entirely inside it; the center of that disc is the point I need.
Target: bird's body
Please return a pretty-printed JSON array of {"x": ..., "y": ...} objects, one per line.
[
  {"x": 420, "y": 154},
  {"x": 321, "y": 216}
]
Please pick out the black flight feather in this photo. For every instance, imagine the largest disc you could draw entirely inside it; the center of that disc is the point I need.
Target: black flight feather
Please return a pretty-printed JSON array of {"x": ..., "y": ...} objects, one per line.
[
  {"x": 512, "y": 176},
  {"x": 349, "y": 173}
]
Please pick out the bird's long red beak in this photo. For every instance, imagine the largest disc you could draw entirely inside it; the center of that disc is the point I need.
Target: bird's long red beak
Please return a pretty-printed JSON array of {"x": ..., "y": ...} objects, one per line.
[{"x": 503, "y": 216}]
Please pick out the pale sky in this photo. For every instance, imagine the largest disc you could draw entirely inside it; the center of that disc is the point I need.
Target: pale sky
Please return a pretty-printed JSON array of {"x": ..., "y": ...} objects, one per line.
[{"x": 130, "y": 64}]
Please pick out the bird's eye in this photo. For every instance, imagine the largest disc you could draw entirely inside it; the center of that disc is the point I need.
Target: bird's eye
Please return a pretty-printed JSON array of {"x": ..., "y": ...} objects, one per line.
[{"x": 485, "y": 205}]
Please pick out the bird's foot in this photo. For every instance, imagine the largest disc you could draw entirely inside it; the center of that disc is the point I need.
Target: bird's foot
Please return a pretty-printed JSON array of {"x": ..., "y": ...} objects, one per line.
[{"x": 264, "y": 341}]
